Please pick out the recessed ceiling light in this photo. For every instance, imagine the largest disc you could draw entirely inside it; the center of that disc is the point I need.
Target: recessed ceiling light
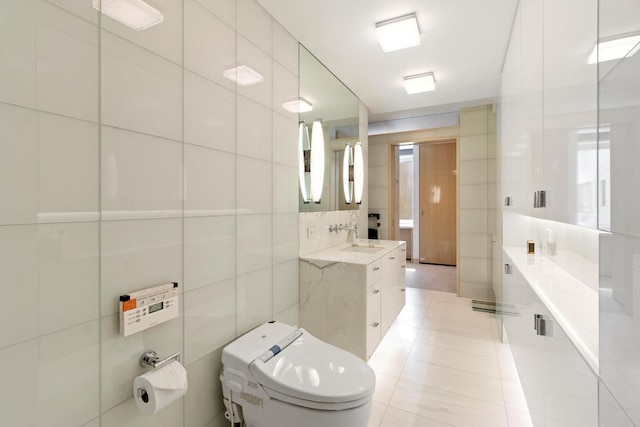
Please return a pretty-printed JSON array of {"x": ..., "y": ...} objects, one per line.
[
  {"x": 299, "y": 106},
  {"x": 243, "y": 75},
  {"x": 419, "y": 83},
  {"x": 614, "y": 49},
  {"x": 135, "y": 14},
  {"x": 398, "y": 33}
]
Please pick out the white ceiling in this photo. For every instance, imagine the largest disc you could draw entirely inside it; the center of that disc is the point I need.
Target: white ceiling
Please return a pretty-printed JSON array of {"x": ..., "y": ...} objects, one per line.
[{"x": 463, "y": 43}]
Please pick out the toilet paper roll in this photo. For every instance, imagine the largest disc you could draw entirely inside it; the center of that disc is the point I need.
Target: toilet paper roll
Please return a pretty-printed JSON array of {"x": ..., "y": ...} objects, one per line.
[{"x": 159, "y": 387}]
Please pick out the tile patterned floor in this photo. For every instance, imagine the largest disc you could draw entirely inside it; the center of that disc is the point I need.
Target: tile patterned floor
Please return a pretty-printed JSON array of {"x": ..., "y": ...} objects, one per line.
[
  {"x": 442, "y": 364},
  {"x": 431, "y": 277}
]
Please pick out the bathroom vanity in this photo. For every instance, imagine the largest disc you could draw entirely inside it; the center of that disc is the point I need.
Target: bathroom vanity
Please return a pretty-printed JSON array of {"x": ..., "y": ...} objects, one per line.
[
  {"x": 548, "y": 316},
  {"x": 350, "y": 294}
]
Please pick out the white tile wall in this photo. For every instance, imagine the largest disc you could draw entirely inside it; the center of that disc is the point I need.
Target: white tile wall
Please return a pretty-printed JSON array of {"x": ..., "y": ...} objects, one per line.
[
  {"x": 18, "y": 367},
  {"x": 251, "y": 55},
  {"x": 223, "y": 9},
  {"x": 68, "y": 371},
  {"x": 473, "y": 196},
  {"x": 255, "y": 24},
  {"x": 254, "y": 129},
  {"x": 477, "y": 202},
  {"x": 285, "y": 89},
  {"x": 209, "y": 43},
  {"x": 285, "y": 285},
  {"x": 254, "y": 299},
  {"x": 255, "y": 186},
  {"x": 67, "y": 164},
  {"x": 210, "y": 185},
  {"x": 137, "y": 254},
  {"x": 473, "y": 147},
  {"x": 204, "y": 400},
  {"x": 285, "y": 238},
  {"x": 68, "y": 269},
  {"x": 285, "y": 189},
  {"x": 474, "y": 171},
  {"x": 18, "y": 60},
  {"x": 209, "y": 113},
  {"x": 209, "y": 318},
  {"x": 140, "y": 91},
  {"x": 140, "y": 173},
  {"x": 18, "y": 165},
  {"x": 285, "y": 140},
  {"x": 19, "y": 261},
  {"x": 128, "y": 415},
  {"x": 209, "y": 250},
  {"x": 474, "y": 121},
  {"x": 66, "y": 64},
  {"x": 254, "y": 240},
  {"x": 285, "y": 49},
  {"x": 122, "y": 168}
]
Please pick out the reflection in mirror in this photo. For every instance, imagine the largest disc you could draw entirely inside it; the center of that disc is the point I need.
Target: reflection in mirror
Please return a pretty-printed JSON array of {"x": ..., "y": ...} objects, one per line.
[{"x": 337, "y": 108}]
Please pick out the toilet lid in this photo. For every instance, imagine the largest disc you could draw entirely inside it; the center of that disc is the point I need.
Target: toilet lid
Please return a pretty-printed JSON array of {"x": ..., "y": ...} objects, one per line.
[{"x": 315, "y": 371}]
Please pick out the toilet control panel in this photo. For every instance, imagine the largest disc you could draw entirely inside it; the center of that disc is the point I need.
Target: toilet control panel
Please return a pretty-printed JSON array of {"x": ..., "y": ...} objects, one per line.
[{"x": 143, "y": 309}]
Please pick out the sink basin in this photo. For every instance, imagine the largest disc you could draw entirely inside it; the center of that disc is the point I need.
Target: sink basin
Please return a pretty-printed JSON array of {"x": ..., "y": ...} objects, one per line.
[{"x": 363, "y": 249}]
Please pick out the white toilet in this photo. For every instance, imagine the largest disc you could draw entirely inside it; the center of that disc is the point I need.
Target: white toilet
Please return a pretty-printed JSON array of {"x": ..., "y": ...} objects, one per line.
[{"x": 280, "y": 376}]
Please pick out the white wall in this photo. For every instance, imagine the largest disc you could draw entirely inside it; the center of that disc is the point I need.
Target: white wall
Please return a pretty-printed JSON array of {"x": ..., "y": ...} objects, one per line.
[
  {"x": 128, "y": 161},
  {"x": 477, "y": 201}
]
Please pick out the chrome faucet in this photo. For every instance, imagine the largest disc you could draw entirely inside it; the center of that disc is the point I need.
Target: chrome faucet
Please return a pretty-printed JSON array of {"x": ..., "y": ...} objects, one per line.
[{"x": 352, "y": 229}]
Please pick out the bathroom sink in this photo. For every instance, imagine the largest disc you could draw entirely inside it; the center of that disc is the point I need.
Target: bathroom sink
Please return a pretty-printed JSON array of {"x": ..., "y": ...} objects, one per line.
[{"x": 363, "y": 249}]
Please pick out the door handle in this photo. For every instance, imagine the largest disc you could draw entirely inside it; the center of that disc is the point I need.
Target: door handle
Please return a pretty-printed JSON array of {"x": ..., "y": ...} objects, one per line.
[{"x": 421, "y": 211}]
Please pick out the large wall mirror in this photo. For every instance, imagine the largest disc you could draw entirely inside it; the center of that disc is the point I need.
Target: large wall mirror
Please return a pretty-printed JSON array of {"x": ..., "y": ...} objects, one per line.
[{"x": 337, "y": 108}]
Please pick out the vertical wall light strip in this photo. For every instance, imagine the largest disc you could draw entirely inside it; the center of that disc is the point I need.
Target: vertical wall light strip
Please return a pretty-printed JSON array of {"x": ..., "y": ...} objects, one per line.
[
  {"x": 317, "y": 161},
  {"x": 347, "y": 174},
  {"x": 358, "y": 172},
  {"x": 304, "y": 161}
]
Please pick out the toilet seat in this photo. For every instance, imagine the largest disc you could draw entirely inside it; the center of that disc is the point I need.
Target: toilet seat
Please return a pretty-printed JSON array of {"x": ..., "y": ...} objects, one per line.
[{"x": 314, "y": 374}]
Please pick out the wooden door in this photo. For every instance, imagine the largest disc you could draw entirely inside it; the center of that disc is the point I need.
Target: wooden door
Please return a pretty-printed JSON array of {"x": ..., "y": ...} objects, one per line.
[{"x": 438, "y": 203}]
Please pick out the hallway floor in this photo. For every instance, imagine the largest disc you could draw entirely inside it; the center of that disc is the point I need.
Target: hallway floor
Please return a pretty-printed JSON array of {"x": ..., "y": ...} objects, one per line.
[
  {"x": 442, "y": 364},
  {"x": 431, "y": 277}
]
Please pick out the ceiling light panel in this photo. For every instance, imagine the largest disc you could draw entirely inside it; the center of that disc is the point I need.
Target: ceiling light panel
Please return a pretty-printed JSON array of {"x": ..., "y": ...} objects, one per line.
[
  {"x": 299, "y": 106},
  {"x": 614, "y": 49},
  {"x": 419, "y": 83},
  {"x": 398, "y": 33},
  {"x": 243, "y": 75},
  {"x": 135, "y": 14}
]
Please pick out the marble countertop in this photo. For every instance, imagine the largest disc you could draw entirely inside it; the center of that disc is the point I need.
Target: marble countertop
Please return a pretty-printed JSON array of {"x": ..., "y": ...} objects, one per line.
[
  {"x": 573, "y": 304},
  {"x": 361, "y": 251}
]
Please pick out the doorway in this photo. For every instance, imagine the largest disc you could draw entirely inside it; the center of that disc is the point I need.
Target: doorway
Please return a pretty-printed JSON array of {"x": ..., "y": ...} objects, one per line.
[
  {"x": 425, "y": 205},
  {"x": 438, "y": 203}
]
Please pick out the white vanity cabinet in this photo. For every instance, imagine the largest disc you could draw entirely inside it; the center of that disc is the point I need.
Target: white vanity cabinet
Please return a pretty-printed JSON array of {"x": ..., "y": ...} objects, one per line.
[
  {"x": 350, "y": 300},
  {"x": 558, "y": 383},
  {"x": 393, "y": 286}
]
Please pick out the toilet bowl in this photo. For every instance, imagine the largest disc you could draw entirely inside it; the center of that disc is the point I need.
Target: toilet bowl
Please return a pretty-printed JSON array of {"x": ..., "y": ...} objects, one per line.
[{"x": 279, "y": 376}]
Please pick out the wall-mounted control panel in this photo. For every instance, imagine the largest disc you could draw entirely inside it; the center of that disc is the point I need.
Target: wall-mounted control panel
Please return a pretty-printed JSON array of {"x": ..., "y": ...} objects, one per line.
[{"x": 149, "y": 307}]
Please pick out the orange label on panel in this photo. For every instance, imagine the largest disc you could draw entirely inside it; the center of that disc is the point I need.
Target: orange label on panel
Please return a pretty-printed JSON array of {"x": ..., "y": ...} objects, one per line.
[{"x": 128, "y": 305}]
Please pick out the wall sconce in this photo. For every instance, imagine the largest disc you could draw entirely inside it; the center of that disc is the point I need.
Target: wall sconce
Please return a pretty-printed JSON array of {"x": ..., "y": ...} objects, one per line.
[
  {"x": 347, "y": 174},
  {"x": 304, "y": 161},
  {"x": 311, "y": 161},
  {"x": 358, "y": 172},
  {"x": 353, "y": 173}
]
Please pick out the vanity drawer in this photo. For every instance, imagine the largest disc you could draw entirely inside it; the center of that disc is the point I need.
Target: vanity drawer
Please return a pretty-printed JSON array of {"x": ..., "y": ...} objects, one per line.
[
  {"x": 374, "y": 272},
  {"x": 374, "y": 333}
]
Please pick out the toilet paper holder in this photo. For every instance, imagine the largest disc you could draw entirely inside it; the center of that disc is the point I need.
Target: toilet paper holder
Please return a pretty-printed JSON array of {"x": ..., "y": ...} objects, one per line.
[{"x": 150, "y": 359}]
